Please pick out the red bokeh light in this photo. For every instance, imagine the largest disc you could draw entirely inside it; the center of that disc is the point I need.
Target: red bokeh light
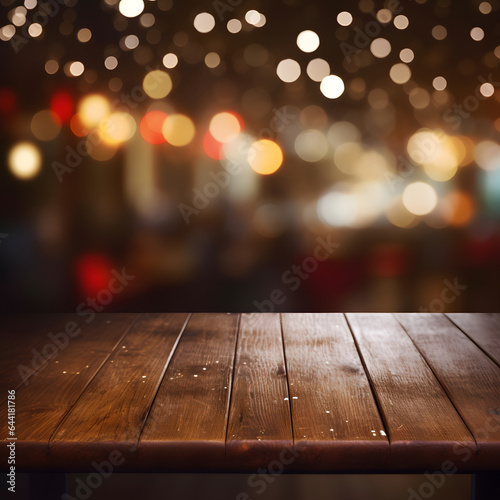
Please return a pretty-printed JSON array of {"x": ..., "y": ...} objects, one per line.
[
  {"x": 151, "y": 127},
  {"x": 7, "y": 100},
  {"x": 62, "y": 105},
  {"x": 93, "y": 272}
]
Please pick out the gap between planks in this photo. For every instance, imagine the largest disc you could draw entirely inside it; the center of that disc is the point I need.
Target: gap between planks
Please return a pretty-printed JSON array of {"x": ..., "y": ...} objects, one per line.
[
  {"x": 370, "y": 381},
  {"x": 162, "y": 375},
  {"x": 439, "y": 382},
  {"x": 52, "y": 437}
]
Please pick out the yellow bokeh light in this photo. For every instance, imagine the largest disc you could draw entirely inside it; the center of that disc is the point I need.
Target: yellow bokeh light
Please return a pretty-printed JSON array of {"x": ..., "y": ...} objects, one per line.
[
  {"x": 438, "y": 153},
  {"x": 224, "y": 127},
  {"x": 98, "y": 148},
  {"x": 118, "y": 128},
  {"x": 178, "y": 130},
  {"x": 398, "y": 215},
  {"x": 265, "y": 157},
  {"x": 93, "y": 109},
  {"x": 157, "y": 84},
  {"x": 45, "y": 125},
  {"x": 24, "y": 160},
  {"x": 420, "y": 198}
]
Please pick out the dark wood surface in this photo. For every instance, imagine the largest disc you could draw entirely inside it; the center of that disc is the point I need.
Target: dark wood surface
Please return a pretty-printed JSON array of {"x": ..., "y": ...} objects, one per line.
[{"x": 229, "y": 392}]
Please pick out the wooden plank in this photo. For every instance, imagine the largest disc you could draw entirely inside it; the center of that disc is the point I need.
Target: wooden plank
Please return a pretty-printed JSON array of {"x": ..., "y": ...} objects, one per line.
[
  {"x": 186, "y": 428},
  {"x": 483, "y": 329},
  {"x": 259, "y": 426},
  {"x": 25, "y": 346},
  {"x": 109, "y": 415},
  {"x": 51, "y": 392},
  {"x": 470, "y": 378},
  {"x": 423, "y": 426},
  {"x": 336, "y": 423}
]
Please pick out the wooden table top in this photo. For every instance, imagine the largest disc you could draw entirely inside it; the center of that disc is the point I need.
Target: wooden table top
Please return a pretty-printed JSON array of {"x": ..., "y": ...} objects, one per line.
[{"x": 230, "y": 392}]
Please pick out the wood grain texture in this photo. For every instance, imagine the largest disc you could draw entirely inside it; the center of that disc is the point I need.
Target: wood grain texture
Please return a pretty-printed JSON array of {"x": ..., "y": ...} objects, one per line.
[
  {"x": 188, "y": 421},
  {"x": 483, "y": 329},
  {"x": 42, "y": 404},
  {"x": 470, "y": 378},
  {"x": 160, "y": 392},
  {"x": 259, "y": 426},
  {"x": 336, "y": 423},
  {"x": 25, "y": 346},
  {"x": 110, "y": 414},
  {"x": 422, "y": 423}
]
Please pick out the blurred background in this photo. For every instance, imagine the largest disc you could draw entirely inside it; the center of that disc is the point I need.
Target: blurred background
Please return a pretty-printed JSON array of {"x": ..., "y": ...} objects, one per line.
[
  {"x": 290, "y": 486},
  {"x": 243, "y": 155}
]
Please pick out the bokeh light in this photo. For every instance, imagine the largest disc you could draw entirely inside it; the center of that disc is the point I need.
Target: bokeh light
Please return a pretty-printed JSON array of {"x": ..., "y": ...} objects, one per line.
[
  {"x": 24, "y": 160},
  {"x": 212, "y": 147},
  {"x": 119, "y": 127},
  {"x": 332, "y": 86},
  {"x": 420, "y": 198},
  {"x": 45, "y": 125},
  {"x": 178, "y": 130},
  {"x": 337, "y": 209},
  {"x": 62, "y": 105},
  {"x": 344, "y": 18},
  {"x": 131, "y": 8},
  {"x": 308, "y": 41},
  {"x": 311, "y": 145},
  {"x": 151, "y": 127},
  {"x": 170, "y": 60},
  {"x": 265, "y": 157},
  {"x": 317, "y": 69},
  {"x": 225, "y": 126},
  {"x": 234, "y": 26},
  {"x": 157, "y": 84},
  {"x": 204, "y": 22},
  {"x": 93, "y": 109},
  {"x": 400, "y": 73},
  {"x": 487, "y": 155},
  {"x": 288, "y": 70},
  {"x": 380, "y": 48}
]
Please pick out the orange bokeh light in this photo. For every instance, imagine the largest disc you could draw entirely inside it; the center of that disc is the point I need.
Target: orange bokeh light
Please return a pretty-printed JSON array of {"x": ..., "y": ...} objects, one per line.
[
  {"x": 460, "y": 208},
  {"x": 151, "y": 127},
  {"x": 77, "y": 127},
  {"x": 212, "y": 147}
]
